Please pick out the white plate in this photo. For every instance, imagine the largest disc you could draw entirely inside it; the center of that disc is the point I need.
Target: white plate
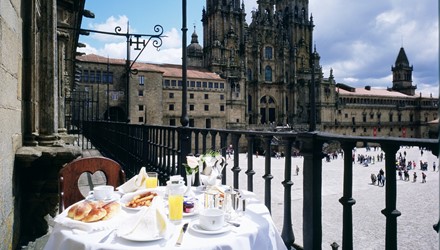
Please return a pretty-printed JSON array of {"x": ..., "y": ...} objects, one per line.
[
  {"x": 132, "y": 237},
  {"x": 197, "y": 228},
  {"x": 114, "y": 197},
  {"x": 128, "y": 197}
]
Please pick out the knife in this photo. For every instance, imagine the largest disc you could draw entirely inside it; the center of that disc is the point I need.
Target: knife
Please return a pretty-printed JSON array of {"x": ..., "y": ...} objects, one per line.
[{"x": 182, "y": 232}]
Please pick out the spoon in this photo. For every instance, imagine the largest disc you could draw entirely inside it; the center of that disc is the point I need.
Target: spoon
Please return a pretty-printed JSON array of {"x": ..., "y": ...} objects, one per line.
[{"x": 235, "y": 224}]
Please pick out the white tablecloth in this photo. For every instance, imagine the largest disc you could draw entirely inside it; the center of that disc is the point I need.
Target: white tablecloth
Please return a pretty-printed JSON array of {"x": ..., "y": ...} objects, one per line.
[{"x": 257, "y": 231}]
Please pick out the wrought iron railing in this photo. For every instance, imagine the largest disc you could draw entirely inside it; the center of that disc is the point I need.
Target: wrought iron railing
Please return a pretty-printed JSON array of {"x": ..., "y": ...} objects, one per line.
[{"x": 159, "y": 148}]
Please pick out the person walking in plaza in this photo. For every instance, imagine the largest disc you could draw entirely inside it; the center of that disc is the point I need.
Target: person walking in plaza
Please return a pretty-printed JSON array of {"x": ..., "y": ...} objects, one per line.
[
  {"x": 423, "y": 177},
  {"x": 406, "y": 175},
  {"x": 433, "y": 166},
  {"x": 381, "y": 178},
  {"x": 415, "y": 177}
]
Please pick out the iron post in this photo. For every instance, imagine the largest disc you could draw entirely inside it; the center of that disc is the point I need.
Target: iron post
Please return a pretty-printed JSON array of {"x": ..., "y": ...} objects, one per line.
[
  {"x": 185, "y": 140},
  {"x": 108, "y": 92}
]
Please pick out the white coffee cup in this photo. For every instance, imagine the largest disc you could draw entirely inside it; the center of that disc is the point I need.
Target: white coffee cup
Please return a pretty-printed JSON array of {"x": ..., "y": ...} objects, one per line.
[
  {"x": 211, "y": 219},
  {"x": 103, "y": 192}
]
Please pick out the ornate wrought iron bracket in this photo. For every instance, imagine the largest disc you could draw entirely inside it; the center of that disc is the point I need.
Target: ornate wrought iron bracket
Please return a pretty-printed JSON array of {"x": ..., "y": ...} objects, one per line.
[{"x": 136, "y": 40}]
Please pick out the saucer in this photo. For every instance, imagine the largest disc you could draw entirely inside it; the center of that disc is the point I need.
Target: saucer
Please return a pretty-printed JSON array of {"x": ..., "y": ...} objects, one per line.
[
  {"x": 114, "y": 197},
  {"x": 197, "y": 228}
]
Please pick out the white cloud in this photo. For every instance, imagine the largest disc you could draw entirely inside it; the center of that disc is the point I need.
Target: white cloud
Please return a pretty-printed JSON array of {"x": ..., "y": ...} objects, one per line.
[
  {"x": 111, "y": 25},
  {"x": 173, "y": 39}
]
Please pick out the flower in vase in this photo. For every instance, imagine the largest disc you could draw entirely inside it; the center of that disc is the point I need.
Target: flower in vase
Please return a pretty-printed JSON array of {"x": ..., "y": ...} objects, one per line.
[{"x": 192, "y": 165}]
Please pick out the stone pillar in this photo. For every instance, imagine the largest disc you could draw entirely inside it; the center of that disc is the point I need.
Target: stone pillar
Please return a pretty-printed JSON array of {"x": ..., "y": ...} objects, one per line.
[
  {"x": 30, "y": 93},
  {"x": 63, "y": 78},
  {"x": 48, "y": 87}
]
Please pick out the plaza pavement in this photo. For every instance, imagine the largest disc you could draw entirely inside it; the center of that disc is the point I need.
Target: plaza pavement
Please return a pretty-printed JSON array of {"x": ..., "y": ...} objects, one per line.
[{"x": 418, "y": 202}]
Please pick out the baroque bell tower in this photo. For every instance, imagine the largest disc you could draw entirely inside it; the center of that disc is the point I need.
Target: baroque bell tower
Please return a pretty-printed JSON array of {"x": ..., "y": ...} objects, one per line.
[
  {"x": 402, "y": 74},
  {"x": 224, "y": 53}
]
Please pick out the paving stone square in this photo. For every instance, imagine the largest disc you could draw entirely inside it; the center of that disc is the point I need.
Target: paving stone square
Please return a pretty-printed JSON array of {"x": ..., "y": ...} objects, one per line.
[{"x": 418, "y": 202}]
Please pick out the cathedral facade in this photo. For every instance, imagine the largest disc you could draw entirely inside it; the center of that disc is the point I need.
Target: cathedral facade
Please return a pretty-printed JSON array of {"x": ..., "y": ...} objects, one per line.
[
  {"x": 269, "y": 64},
  {"x": 273, "y": 76}
]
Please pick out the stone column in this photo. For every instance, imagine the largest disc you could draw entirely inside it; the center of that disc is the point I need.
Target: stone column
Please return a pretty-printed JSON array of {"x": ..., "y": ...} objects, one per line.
[
  {"x": 63, "y": 78},
  {"x": 30, "y": 92},
  {"x": 48, "y": 88}
]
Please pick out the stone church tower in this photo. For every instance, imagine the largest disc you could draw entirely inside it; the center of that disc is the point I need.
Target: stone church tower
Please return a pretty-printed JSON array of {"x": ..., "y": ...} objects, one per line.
[
  {"x": 402, "y": 74},
  {"x": 224, "y": 29},
  {"x": 269, "y": 65}
]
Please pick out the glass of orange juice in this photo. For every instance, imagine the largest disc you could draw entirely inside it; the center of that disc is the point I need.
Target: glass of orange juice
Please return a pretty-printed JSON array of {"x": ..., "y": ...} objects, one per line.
[
  {"x": 175, "y": 201},
  {"x": 151, "y": 181}
]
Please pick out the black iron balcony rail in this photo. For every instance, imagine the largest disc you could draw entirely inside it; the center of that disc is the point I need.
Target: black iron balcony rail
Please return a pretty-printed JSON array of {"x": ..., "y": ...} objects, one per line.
[{"x": 159, "y": 149}]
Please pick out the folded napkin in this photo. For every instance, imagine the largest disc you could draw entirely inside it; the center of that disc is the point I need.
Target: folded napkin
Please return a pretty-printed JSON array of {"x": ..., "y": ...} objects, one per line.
[
  {"x": 150, "y": 223},
  {"x": 135, "y": 183}
]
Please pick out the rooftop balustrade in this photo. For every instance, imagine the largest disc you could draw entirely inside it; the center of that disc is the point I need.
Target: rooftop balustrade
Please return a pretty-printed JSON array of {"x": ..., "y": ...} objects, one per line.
[{"x": 163, "y": 148}]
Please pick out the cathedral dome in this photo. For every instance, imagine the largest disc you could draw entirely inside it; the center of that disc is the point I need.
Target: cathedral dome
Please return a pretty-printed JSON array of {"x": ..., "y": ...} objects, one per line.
[{"x": 194, "y": 48}]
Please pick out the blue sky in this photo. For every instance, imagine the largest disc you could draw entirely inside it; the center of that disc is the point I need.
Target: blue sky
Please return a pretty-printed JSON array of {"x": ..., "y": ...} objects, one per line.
[{"x": 358, "y": 39}]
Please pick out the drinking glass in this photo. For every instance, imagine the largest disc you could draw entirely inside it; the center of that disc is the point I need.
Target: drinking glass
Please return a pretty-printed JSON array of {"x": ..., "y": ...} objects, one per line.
[
  {"x": 151, "y": 181},
  {"x": 175, "y": 201}
]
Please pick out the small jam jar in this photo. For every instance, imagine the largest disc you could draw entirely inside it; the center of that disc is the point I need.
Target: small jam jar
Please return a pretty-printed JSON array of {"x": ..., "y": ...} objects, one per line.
[{"x": 188, "y": 206}]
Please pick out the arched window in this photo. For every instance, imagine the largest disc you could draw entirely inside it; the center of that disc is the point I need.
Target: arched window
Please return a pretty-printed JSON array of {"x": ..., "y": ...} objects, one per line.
[{"x": 268, "y": 74}]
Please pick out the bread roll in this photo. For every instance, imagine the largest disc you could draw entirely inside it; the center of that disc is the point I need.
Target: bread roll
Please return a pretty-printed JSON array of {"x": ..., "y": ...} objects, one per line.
[
  {"x": 112, "y": 208},
  {"x": 95, "y": 214},
  {"x": 87, "y": 211},
  {"x": 82, "y": 210},
  {"x": 71, "y": 212}
]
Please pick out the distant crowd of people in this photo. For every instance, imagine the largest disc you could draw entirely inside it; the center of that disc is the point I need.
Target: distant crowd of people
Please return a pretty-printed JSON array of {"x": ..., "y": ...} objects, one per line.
[{"x": 403, "y": 168}]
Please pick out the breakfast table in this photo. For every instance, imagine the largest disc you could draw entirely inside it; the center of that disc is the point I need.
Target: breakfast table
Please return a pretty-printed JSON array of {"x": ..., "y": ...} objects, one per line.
[{"x": 254, "y": 229}]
